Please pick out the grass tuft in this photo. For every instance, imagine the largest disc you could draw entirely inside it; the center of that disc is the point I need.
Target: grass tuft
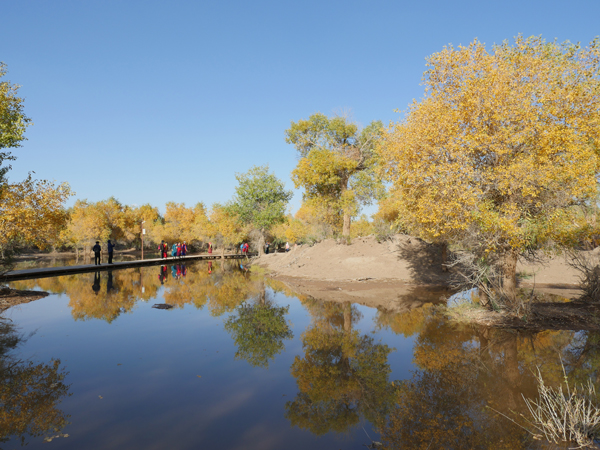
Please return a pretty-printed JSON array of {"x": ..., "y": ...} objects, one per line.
[{"x": 569, "y": 415}]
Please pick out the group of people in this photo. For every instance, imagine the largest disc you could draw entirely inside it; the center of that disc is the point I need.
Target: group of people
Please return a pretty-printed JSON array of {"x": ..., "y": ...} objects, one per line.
[
  {"x": 268, "y": 246},
  {"x": 178, "y": 250},
  {"x": 245, "y": 248},
  {"x": 98, "y": 252}
]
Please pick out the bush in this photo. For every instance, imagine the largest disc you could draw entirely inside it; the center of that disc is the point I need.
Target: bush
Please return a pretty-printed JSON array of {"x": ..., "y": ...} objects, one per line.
[{"x": 571, "y": 416}]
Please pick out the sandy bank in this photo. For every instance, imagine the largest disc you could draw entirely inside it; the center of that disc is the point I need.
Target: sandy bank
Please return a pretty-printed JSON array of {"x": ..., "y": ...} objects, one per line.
[{"x": 403, "y": 259}]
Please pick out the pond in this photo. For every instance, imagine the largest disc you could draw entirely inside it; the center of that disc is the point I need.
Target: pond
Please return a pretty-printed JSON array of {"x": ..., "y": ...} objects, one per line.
[{"x": 241, "y": 362}]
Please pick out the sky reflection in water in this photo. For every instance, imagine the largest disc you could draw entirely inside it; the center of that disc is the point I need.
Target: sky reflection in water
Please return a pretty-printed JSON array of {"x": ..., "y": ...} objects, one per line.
[{"x": 242, "y": 363}]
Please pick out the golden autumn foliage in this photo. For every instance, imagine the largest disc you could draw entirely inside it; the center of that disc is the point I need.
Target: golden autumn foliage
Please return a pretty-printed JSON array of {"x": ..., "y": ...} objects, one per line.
[
  {"x": 177, "y": 226},
  {"x": 503, "y": 147},
  {"x": 362, "y": 227},
  {"x": 336, "y": 166},
  {"x": 227, "y": 227},
  {"x": 31, "y": 213}
]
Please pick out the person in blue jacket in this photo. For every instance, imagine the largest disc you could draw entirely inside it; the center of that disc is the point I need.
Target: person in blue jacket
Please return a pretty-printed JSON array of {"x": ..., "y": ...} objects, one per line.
[
  {"x": 174, "y": 250},
  {"x": 110, "y": 247}
]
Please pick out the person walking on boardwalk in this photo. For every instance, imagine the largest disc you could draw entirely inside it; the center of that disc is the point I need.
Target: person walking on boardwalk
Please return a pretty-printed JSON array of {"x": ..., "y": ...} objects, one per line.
[
  {"x": 184, "y": 249},
  {"x": 97, "y": 249},
  {"x": 161, "y": 249},
  {"x": 174, "y": 250},
  {"x": 209, "y": 248},
  {"x": 111, "y": 247},
  {"x": 165, "y": 250}
]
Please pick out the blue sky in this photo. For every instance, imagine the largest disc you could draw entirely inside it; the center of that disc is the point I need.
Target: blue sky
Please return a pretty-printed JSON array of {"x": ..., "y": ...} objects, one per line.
[{"x": 154, "y": 101}]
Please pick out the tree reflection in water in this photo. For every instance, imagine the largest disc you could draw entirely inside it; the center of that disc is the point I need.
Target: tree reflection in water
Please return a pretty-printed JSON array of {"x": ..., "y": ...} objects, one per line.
[
  {"x": 464, "y": 369},
  {"x": 343, "y": 375},
  {"x": 29, "y": 393},
  {"x": 259, "y": 329},
  {"x": 221, "y": 291}
]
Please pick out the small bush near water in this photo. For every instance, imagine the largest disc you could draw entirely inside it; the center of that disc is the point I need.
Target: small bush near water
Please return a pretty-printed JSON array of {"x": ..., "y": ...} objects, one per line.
[{"x": 565, "y": 416}]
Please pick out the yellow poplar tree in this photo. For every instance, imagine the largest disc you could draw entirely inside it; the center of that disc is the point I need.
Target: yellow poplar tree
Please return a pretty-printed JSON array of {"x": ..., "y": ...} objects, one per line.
[
  {"x": 227, "y": 226},
  {"x": 31, "y": 213},
  {"x": 336, "y": 166},
  {"x": 503, "y": 148},
  {"x": 86, "y": 225}
]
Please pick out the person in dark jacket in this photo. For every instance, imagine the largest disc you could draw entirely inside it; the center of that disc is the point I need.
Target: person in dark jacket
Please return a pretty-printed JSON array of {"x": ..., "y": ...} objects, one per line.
[
  {"x": 110, "y": 246},
  {"x": 97, "y": 249}
]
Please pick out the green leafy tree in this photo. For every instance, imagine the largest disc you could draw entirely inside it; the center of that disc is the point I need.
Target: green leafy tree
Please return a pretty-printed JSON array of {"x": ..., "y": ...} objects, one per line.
[
  {"x": 260, "y": 200},
  {"x": 13, "y": 121},
  {"x": 336, "y": 166}
]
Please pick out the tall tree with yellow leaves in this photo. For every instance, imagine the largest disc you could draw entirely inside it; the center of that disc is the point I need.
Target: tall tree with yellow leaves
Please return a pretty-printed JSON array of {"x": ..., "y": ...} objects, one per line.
[
  {"x": 336, "y": 164},
  {"x": 31, "y": 213},
  {"x": 501, "y": 151}
]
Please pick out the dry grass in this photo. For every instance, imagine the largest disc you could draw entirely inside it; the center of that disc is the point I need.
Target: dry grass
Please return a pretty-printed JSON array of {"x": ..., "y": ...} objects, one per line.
[{"x": 569, "y": 415}]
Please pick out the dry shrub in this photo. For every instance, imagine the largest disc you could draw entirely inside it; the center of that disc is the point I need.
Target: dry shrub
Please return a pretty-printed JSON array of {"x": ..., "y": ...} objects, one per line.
[
  {"x": 484, "y": 274},
  {"x": 588, "y": 266},
  {"x": 569, "y": 415}
]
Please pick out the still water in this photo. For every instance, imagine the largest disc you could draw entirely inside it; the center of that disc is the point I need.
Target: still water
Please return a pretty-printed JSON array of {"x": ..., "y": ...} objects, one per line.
[{"x": 240, "y": 362}]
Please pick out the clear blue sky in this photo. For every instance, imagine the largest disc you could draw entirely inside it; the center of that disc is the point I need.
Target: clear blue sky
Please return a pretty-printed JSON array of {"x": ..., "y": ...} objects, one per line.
[{"x": 154, "y": 101}]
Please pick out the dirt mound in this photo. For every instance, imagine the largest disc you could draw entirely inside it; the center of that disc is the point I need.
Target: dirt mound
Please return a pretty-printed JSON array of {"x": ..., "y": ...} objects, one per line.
[{"x": 403, "y": 258}]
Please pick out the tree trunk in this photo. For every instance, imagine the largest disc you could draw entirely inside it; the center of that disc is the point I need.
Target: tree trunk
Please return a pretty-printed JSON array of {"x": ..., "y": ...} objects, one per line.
[
  {"x": 261, "y": 244},
  {"x": 444, "y": 246},
  {"x": 509, "y": 274},
  {"x": 223, "y": 252},
  {"x": 347, "y": 216},
  {"x": 346, "y": 229}
]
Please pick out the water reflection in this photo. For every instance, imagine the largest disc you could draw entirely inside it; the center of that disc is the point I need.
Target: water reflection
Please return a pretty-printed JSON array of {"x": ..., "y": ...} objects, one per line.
[
  {"x": 96, "y": 285},
  {"x": 29, "y": 393},
  {"x": 343, "y": 375},
  {"x": 464, "y": 369},
  {"x": 163, "y": 274},
  {"x": 259, "y": 329}
]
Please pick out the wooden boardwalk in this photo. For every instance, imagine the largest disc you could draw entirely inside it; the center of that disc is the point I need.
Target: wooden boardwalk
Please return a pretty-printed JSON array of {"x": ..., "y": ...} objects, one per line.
[{"x": 44, "y": 272}]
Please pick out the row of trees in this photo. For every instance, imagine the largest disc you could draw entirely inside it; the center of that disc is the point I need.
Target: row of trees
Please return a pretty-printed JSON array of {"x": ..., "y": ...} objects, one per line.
[{"x": 500, "y": 159}]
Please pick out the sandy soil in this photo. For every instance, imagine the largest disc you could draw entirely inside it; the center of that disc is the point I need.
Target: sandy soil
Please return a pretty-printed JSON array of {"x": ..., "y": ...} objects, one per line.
[{"x": 403, "y": 259}]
